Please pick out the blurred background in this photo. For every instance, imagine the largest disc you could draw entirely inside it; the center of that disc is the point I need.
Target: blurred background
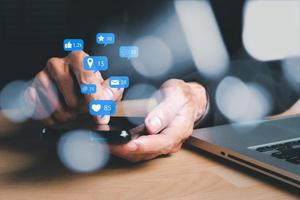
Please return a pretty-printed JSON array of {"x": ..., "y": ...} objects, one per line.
[{"x": 246, "y": 48}]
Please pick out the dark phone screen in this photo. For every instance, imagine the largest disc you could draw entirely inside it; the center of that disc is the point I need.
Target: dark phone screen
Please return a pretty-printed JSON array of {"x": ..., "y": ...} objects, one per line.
[
  {"x": 120, "y": 130},
  {"x": 115, "y": 123}
]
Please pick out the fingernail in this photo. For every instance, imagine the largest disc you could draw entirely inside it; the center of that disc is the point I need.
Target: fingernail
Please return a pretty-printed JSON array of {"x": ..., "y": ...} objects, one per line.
[
  {"x": 154, "y": 124},
  {"x": 132, "y": 146}
]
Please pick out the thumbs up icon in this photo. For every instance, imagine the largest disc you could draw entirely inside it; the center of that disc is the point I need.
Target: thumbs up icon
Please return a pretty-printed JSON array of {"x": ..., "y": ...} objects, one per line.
[
  {"x": 68, "y": 45},
  {"x": 73, "y": 44}
]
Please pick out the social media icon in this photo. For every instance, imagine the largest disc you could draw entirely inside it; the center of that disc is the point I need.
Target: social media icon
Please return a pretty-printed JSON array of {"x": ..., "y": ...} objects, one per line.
[
  {"x": 90, "y": 62},
  {"x": 88, "y": 88},
  {"x": 73, "y": 44},
  {"x": 129, "y": 52},
  {"x": 102, "y": 107},
  {"x": 95, "y": 63},
  {"x": 114, "y": 82},
  {"x": 105, "y": 38},
  {"x": 119, "y": 82}
]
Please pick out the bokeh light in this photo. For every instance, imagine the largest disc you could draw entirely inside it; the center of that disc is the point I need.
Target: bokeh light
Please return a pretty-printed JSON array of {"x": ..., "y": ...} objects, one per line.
[
  {"x": 271, "y": 29},
  {"x": 14, "y": 102},
  {"x": 155, "y": 57},
  {"x": 45, "y": 97},
  {"x": 83, "y": 151},
  {"x": 139, "y": 91},
  {"x": 21, "y": 100},
  {"x": 241, "y": 102},
  {"x": 203, "y": 36}
]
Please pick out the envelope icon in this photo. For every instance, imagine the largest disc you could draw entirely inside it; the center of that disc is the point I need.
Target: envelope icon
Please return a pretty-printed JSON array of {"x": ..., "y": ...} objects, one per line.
[{"x": 115, "y": 82}]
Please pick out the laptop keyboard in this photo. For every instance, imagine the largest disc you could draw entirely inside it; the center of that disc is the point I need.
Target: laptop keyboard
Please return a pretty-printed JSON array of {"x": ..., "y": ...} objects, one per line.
[{"x": 288, "y": 151}]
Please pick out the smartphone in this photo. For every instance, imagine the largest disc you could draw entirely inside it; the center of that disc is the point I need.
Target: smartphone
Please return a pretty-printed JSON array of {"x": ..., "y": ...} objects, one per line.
[{"x": 120, "y": 130}]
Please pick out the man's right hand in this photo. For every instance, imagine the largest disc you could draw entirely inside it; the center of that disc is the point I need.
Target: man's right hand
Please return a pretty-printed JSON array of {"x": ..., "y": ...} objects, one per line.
[{"x": 66, "y": 74}]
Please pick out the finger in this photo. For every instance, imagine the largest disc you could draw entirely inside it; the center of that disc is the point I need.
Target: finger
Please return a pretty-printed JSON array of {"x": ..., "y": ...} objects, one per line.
[
  {"x": 112, "y": 94},
  {"x": 200, "y": 98},
  {"x": 124, "y": 150},
  {"x": 59, "y": 71},
  {"x": 75, "y": 59},
  {"x": 161, "y": 144},
  {"x": 149, "y": 157},
  {"x": 32, "y": 96},
  {"x": 48, "y": 121},
  {"x": 47, "y": 101},
  {"x": 184, "y": 120},
  {"x": 175, "y": 98},
  {"x": 156, "y": 144},
  {"x": 172, "y": 136},
  {"x": 130, "y": 152},
  {"x": 127, "y": 151},
  {"x": 117, "y": 93}
]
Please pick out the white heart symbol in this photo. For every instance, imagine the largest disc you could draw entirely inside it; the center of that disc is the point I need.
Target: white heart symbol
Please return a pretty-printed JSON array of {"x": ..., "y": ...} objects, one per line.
[{"x": 96, "y": 107}]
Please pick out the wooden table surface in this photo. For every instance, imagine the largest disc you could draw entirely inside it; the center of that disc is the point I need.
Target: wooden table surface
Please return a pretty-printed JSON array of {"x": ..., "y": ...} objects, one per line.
[{"x": 29, "y": 169}]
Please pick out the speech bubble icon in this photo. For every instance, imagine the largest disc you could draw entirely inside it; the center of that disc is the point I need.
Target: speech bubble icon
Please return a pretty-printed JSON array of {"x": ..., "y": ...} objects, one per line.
[
  {"x": 88, "y": 88},
  {"x": 129, "y": 52},
  {"x": 95, "y": 63},
  {"x": 102, "y": 107},
  {"x": 119, "y": 82},
  {"x": 73, "y": 44},
  {"x": 105, "y": 38}
]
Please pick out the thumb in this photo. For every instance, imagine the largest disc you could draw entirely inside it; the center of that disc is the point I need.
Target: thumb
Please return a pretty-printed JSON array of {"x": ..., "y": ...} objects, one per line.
[{"x": 161, "y": 116}]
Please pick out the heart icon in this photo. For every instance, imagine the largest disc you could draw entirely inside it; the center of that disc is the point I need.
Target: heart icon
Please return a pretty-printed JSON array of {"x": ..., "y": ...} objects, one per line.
[{"x": 96, "y": 107}]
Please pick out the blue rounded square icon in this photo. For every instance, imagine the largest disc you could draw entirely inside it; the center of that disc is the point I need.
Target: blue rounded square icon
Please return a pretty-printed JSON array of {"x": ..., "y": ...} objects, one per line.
[
  {"x": 119, "y": 81},
  {"x": 95, "y": 63},
  {"x": 88, "y": 88},
  {"x": 105, "y": 38},
  {"x": 73, "y": 44},
  {"x": 129, "y": 52},
  {"x": 102, "y": 107}
]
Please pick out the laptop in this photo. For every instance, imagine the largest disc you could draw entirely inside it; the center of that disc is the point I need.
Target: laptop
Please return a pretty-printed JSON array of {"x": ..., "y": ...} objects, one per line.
[{"x": 271, "y": 147}]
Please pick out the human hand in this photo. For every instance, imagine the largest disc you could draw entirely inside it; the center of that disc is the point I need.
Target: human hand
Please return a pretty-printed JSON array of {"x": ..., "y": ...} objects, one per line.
[
  {"x": 66, "y": 74},
  {"x": 169, "y": 124}
]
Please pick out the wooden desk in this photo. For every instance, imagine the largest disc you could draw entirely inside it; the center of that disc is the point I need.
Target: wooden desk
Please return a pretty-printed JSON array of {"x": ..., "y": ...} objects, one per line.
[{"x": 30, "y": 170}]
